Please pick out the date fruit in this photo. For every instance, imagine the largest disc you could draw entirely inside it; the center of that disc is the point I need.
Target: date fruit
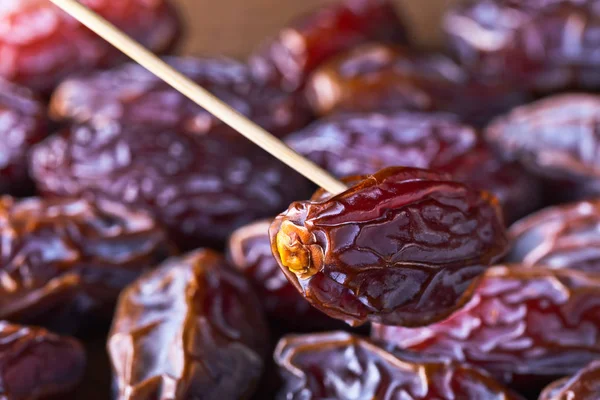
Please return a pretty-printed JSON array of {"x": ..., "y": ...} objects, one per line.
[
  {"x": 402, "y": 247},
  {"x": 59, "y": 252},
  {"x": 555, "y": 137},
  {"x": 131, "y": 94},
  {"x": 42, "y": 45},
  {"x": 338, "y": 365},
  {"x": 192, "y": 328},
  {"x": 584, "y": 385},
  {"x": 299, "y": 48},
  {"x": 525, "y": 326},
  {"x": 37, "y": 364},
  {"x": 23, "y": 124},
  {"x": 546, "y": 45},
  {"x": 565, "y": 236},
  {"x": 377, "y": 77},
  {"x": 359, "y": 144},
  {"x": 201, "y": 187}
]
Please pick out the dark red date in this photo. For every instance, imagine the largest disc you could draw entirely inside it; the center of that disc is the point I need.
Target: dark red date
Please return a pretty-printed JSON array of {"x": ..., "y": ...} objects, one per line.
[
  {"x": 401, "y": 247},
  {"x": 200, "y": 187},
  {"x": 42, "y": 45},
  {"x": 36, "y": 364},
  {"x": 131, "y": 94},
  {"x": 584, "y": 385},
  {"x": 23, "y": 124},
  {"x": 525, "y": 326},
  {"x": 56, "y": 252},
  {"x": 300, "y": 47},
  {"x": 339, "y": 365},
  {"x": 566, "y": 236},
  {"x": 555, "y": 137},
  {"x": 358, "y": 144},
  {"x": 193, "y": 328},
  {"x": 377, "y": 77},
  {"x": 545, "y": 45}
]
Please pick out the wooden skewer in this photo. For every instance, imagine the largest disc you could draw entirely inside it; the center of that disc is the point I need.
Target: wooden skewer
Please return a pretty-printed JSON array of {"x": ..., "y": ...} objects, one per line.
[{"x": 200, "y": 96}]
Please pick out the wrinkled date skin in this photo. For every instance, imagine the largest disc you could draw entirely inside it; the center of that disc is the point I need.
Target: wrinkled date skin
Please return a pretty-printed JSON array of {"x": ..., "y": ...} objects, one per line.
[
  {"x": 338, "y": 365},
  {"x": 402, "y": 247},
  {"x": 548, "y": 45},
  {"x": 249, "y": 251},
  {"x": 585, "y": 385},
  {"x": 201, "y": 187},
  {"x": 299, "y": 48},
  {"x": 359, "y": 144},
  {"x": 193, "y": 328},
  {"x": 37, "y": 364},
  {"x": 555, "y": 137},
  {"x": 22, "y": 124},
  {"x": 55, "y": 252},
  {"x": 377, "y": 77},
  {"x": 131, "y": 94},
  {"x": 525, "y": 326},
  {"x": 42, "y": 45},
  {"x": 565, "y": 236}
]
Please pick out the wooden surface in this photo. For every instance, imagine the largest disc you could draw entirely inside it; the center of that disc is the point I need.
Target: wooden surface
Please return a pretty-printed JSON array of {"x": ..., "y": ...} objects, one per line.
[{"x": 234, "y": 27}]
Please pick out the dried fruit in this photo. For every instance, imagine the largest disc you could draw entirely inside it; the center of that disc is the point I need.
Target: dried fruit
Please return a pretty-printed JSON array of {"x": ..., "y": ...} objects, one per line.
[
  {"x": 193, "y": 328},
  {"x": 525, "y": 326},
  {"x": 131, "y": 94},
  {"x": 55, "y": 252},
  {"x": 585, "y": 385},
  {"x": 338, "y": 365},
  {"x": 42, "y": 45},
  {"x": 37, "y": 364},
  {"x": 23, "y": 123},
  {"x": 200, "y": 187},
  {"x": 401, "y": 247},
  {"x": 300, "y": 47}
]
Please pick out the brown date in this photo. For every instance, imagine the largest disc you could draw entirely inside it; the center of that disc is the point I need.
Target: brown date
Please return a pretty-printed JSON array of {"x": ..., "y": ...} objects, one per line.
[
  {"x": 338, "y": 365},
  {"x": 131, "y": 94},
  {"x": 525, "y": 326},
  {"x": 192, "y": 328},
  {"x": 200, "y": 187},
  {"x": 59, "y": 252},
  {"x": 545, "y": 45},
  {"x": 22, "y": 124},
  {"x": 554, "y": 137},
  {"x": 584, "y": 385},
  {"x": 43, "y": 45},
  {"x": 299, "y": 48},
  {"x": 402, "y": 247},
  {"x": 565, "y": 236},
  {"x": 355, "y": 144},
  {"x": 377, "y": 77},
  {"x": 37, "y": 364}
]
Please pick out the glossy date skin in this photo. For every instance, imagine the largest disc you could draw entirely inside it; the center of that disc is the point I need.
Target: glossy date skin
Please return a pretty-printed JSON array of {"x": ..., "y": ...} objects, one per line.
[
  {"x": 584, "y": 385},
  {"x": 338, "y": 365},
  {"x": 525, "y": 326},
  {"x": 22, "y": 124},
  {"x": 565, "y": 236},
  {"x": 200, "y": 187},
  {"x": 37, "y": 364},
  {"x": 62, "y": 253},
  {"x": 555, "y": 137},
  {"x": 289, "y": 57},
  {"x": 358, "y": 144},
  {"x": 547, "y": 45},
  {"x": 402, "y": 247},
  {"x": 131, "y": 94},
  {"x": 377, "y": 77},
  {"x": 193, "y": 328},
  {"x": 43, "y": 45}
]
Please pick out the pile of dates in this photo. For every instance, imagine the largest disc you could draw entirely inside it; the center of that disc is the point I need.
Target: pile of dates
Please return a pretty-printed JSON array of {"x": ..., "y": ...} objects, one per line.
[{"x": 148, "y": 251}]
